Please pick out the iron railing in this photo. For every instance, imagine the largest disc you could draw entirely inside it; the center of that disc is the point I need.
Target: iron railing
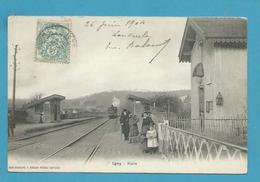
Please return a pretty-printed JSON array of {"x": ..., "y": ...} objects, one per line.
[
  {"x": 232, "y": 130},
  {"x": 181, "y": 144}
]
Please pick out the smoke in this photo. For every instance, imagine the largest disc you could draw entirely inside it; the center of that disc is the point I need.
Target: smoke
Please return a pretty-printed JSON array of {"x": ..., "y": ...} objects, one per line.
[{"x": 116, "y": 102}]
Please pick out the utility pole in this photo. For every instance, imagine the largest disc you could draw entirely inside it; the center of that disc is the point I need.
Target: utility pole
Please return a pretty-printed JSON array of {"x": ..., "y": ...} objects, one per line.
[
  {"x": 14, "y": 85},
  {"x": 134, "y": 107},
  {"x": 168, "y": 109}
]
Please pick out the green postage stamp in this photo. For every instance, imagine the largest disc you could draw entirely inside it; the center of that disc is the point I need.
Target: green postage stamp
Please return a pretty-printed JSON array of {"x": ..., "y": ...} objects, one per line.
[{"x": 53, "y": 41}]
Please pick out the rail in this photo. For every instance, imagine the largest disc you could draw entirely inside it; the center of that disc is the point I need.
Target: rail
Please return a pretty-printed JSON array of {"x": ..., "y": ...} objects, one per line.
[
  {"x": 38, "y": 134},
  {"x": 72, "y": 142},
  {"x": 181, "y": 144}
]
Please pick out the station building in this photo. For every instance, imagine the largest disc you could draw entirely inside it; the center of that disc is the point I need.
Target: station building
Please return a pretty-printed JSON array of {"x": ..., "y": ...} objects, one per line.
[
  {"x": 49, "y": 107},
  {"x": 217, "y": 51}
]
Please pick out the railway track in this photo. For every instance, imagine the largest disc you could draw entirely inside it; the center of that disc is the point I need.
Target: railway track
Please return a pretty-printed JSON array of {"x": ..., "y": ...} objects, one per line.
[
  {"x": 54, "y": 130},
  {"x": 45, "y": 133},
  {"x": 74, "y": 141},
  {"x": 94, "y": 150}
]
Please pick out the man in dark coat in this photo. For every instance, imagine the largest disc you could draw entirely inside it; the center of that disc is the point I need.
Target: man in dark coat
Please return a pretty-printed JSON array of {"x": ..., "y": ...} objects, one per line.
[
  {"x": 11, "y": 124},
  {"x": 124, "y": 121},
  {"x": 149, "y": 118}
]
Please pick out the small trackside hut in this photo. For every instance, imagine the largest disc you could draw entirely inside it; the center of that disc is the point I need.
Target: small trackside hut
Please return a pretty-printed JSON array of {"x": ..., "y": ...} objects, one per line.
[
  {"x": 49, "y": 107},
  {"x": 138, "y": 105}
]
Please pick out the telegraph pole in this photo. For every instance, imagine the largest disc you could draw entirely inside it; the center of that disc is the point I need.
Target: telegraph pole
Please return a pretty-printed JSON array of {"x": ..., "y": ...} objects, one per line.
[
  {"x": 168, "y": 109},
  {"x": 14, "y": 86}
]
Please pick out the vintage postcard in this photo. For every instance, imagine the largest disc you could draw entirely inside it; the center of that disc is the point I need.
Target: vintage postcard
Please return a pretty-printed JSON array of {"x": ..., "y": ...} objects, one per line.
[{"x": 127, "y": 94}]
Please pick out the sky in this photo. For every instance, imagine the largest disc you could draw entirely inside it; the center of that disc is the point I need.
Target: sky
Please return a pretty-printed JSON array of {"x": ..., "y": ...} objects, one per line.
[{"x": 106, "y": 53}]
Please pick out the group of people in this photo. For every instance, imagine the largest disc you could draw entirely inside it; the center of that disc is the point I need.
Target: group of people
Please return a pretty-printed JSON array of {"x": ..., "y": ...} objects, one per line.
[{"x": 148, "y": 134}]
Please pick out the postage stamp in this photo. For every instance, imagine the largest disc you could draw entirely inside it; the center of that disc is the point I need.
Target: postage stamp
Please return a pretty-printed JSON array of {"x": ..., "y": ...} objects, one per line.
[{"x": 53, "y": 41}]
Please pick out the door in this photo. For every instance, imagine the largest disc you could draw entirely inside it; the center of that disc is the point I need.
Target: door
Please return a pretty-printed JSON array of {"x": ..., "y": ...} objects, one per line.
[
  {"x": 55, "y": 111},
  {"x": 201, "y": 108}
]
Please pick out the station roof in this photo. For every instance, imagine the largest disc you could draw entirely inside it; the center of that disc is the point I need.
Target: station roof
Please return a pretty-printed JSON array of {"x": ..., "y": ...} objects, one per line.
[
  {"x": 136, "y": 98},
  {"x": 45, "y": 99},
  {"x": 222, "y": 31}
]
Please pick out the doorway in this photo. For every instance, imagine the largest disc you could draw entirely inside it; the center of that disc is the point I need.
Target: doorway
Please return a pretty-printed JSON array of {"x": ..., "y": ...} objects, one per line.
[
  {"x": 55, "y": 112},
  {"x": 201, "y": 108}
]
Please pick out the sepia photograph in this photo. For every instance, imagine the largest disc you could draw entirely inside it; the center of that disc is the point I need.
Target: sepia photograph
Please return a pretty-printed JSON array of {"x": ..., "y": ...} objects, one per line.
[{"x": 127, "y": 94}]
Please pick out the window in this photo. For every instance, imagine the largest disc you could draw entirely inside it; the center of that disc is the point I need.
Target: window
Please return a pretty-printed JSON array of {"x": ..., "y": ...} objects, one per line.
[
  {"x": 198, "y": 70},
  {"x": 209, "y": 106},
  {"x": 46, "y": 107},
  {"x": 39, "y": 108}
]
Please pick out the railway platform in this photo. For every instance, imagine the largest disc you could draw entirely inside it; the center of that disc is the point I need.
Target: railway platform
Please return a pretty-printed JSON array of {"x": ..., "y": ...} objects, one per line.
[
  {"x": 115, "y": 152},
  {"x": 113, "y": 146},
  {"x": 23, "y": 130}
]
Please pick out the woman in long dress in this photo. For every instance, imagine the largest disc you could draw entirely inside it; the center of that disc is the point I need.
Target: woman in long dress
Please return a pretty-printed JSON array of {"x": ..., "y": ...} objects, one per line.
[
  {"x": 133, "y": 133},
  {"x": 144, "y": 129}
]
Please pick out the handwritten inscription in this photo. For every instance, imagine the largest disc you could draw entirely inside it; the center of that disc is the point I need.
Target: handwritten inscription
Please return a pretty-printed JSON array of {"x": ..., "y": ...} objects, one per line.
[
  {"x": 133, "y": 33},
  {"x": 147, "y": 43},
  {"x": 113, "y": 24}
]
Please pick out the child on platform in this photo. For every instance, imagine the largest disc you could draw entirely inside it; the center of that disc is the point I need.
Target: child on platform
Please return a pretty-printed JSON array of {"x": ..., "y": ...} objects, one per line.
[{"x": 152, "y": 142}]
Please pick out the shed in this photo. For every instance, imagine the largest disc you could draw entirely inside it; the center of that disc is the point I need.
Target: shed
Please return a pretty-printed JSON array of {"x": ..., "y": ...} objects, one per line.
[
  {"x": 49, "y": 106},
  {"x": 139, "y": 104}
]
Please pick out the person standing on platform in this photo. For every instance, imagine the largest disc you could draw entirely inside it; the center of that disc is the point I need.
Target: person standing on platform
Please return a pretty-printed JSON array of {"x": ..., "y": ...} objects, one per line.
[
  {"x": 152, "y": 141},
  {"x": 124, "y": 122},
  {"x": 144, "y": 129},
  {"x": 41, "y": 117},
  {"x": 149, "y": 118},
  {"x": 133, "y": 133},
  {"x": 11, "y": 124}
]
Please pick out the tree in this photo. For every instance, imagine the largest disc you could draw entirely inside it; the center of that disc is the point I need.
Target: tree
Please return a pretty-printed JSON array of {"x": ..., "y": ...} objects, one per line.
[
  {"x": 37, "y": 96},
  {"x": 164, "y": 102}
]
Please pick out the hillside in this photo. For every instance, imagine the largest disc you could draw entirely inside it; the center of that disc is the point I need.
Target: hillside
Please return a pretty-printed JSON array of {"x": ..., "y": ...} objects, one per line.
[{"x": 103, "y": 100}]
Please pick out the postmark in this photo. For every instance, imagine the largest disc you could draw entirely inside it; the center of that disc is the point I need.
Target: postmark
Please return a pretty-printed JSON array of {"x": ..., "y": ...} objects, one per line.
[{"x": 53, "y": 42}]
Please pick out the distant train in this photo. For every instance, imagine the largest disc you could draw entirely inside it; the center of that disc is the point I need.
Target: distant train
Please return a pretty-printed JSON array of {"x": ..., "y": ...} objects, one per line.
[{"x": 112, "y": 112}]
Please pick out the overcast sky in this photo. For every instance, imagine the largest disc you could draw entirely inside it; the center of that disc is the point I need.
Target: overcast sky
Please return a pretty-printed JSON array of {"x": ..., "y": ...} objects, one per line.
[{"x": 95, "y": 68}]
